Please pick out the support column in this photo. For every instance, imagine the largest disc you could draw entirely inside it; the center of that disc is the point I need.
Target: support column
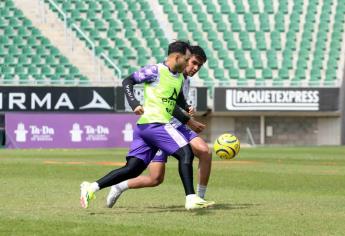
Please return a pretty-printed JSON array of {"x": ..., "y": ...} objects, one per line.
[
  {"x": 342, "y": 115},
  {"x": 262, "y": 130}
]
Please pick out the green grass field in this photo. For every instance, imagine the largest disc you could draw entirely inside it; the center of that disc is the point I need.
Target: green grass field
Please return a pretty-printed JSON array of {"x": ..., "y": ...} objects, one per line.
[{"x": 264, "y": 191}]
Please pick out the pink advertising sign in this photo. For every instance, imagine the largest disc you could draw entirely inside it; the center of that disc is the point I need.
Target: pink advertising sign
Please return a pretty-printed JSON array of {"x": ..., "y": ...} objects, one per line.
[{"x": 49, "y": 130}]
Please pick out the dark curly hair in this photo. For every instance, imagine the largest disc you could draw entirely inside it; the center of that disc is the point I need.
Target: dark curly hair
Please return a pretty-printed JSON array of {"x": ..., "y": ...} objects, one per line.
[
  {"x": 199, "y": 52},
  {"x": 179, "y": 46}
]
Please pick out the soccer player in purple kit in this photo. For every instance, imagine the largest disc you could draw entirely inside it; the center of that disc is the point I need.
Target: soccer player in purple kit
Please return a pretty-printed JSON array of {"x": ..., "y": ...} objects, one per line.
[
  {"x": 162, "y": 84},
  {"x": 199, "y": 147}
]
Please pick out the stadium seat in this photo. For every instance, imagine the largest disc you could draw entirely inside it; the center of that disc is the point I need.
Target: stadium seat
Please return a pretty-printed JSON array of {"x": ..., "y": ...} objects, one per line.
[{"x": 24, "y": 51}]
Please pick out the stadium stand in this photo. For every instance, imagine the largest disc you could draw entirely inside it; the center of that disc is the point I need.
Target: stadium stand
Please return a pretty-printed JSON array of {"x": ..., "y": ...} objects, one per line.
[
  {"x": 29, "y": 58},
  {"x": 129, "y": 41},
  {"x": 248, "y": 43},
  {"x": 260, "y": 43}
]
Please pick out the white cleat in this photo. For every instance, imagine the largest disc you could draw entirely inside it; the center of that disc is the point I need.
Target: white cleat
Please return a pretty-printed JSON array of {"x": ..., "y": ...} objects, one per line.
[
  {"x": 86, "y": 195},
  {"x": 113, "y": 195},
  {"x": 195, "y": 202}
]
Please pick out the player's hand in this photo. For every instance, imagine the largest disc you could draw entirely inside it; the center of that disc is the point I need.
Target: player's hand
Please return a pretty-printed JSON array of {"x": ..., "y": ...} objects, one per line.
[
  {"x": 195, "y": 125},
  {"x": 139, "y": 110},
  {"x": 191, "y": 111}
]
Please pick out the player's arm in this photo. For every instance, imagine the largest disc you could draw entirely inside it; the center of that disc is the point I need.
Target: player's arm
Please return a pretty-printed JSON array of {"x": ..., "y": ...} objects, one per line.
[
  {"x": 181, "y": 115},
  {"x": 184, "y": 118},
  {"x": 128, "y": 85},
  {"x": 181, "y": 106},
  {"x": 147, "y": 74},
  {"x": 182, "y": 102}
]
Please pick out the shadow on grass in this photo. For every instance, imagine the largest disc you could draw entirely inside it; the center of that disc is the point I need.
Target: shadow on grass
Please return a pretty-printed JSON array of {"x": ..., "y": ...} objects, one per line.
[{"x": 180, "y": 208}]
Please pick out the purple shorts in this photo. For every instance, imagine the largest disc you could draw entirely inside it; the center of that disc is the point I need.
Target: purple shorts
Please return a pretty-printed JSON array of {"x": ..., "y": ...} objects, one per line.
[
  {"x": 149, "y": 138},
  {"x": 189, "y": 134}
]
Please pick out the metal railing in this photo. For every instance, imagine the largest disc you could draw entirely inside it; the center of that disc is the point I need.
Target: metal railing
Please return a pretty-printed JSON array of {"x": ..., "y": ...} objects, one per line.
[
  {"x": 97, "y": 63},
  {"x": 41, "y": 2},
  {"x": 87, "y": 40},
  {"x": 112, "y": 64}
]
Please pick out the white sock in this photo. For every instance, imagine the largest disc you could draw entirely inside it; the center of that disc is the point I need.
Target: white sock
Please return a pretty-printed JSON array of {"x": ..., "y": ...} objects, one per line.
[
  {"x": 123, "y": 186},
  {"x": 190, "y": 196},
  {"x": 94, "y": 187},
  {"x": 201, "y": 190}
]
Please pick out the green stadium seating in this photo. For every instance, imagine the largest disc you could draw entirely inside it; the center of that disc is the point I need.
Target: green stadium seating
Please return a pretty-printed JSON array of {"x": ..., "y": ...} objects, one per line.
[
  {"x": 25, "y": 52},
  {"x": 260, "y": 41},
  {"x": 120, "y": 30}
]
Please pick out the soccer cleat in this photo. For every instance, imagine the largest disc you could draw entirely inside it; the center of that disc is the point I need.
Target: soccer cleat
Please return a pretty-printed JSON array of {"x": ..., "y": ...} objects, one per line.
[
  {"x": 86, "y": 195},
  {"x": 195, "y": 202},
  {"x": 113, "y": 195}
]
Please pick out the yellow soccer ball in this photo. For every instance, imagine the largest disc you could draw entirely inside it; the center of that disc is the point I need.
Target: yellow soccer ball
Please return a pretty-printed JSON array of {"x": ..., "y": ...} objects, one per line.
[{"x": 227, "y": 146}]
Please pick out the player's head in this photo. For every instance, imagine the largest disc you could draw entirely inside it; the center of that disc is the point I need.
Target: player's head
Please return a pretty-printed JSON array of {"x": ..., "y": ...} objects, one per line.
[
  {"x": 196, "y": 61},
  {"x": 179, "y": 53}
]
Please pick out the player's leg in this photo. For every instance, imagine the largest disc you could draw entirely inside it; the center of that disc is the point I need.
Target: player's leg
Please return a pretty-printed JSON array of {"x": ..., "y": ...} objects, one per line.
[
  {"x": 172, "y": 142},
  {"x": 156, "y": 174},
  {"x": 154, "y": 178},
  {"x": 138, "y": 158},
  {"x": 133, "y": 168},
  {"x": 202, "y": 151},
  {"x": 185, "y": 157}
]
